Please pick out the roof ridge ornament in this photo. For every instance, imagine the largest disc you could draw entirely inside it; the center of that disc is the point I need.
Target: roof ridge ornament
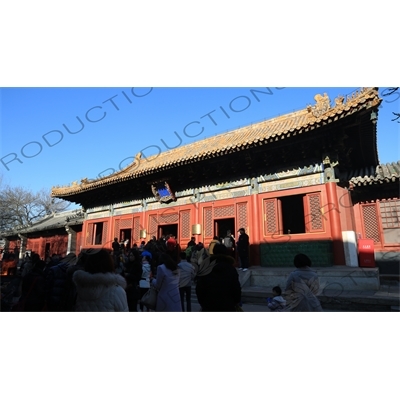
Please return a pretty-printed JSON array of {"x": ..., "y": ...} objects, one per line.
[
  {"x": 322, "y": 105},
  {"x": 339, "y": 101}
]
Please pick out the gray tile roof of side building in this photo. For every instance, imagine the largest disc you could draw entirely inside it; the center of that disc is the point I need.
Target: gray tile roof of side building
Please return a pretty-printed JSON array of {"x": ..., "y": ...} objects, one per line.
[
  {"x": 53, "y": 221},
  {"x": 383, "y": 173}
]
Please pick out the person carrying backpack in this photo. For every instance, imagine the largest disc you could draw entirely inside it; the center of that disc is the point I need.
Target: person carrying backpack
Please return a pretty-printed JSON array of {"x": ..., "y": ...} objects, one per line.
[
  {"x": 199, "y": 254},
  {"x": 229, "y": 243}
]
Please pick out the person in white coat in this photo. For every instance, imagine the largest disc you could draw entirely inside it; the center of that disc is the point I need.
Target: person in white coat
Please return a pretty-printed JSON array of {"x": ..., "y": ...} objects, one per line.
[
  {"x": 302, "y": 286},
  {"x": 98, "y": 287}
]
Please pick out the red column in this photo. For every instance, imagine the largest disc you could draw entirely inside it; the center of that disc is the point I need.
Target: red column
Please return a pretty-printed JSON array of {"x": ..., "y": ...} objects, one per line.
[
  {"x": 255, "y": 222},
  {"x": 336, "y": 227}
]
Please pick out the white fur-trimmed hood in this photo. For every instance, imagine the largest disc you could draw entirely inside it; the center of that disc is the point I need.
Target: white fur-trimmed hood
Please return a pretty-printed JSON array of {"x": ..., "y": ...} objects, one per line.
[
  {"x": 98, "y": 287},
  {"x": 84, "y": 279}
]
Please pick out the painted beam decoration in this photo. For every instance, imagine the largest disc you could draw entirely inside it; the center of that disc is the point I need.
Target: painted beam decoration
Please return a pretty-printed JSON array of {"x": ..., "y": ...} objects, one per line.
[{"x": 162, "y": 192}]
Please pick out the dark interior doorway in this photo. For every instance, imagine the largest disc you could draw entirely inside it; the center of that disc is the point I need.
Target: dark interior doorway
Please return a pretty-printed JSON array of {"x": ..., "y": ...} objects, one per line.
[
  {"x": 125, "y": 234},
  {"x": 47, "y": 250},
  {"x": 221, "y": 226},
  {"x": 164, "y": 230},
  {"x": 98, "y": 233},
  {"x": 293, "y": 214}
]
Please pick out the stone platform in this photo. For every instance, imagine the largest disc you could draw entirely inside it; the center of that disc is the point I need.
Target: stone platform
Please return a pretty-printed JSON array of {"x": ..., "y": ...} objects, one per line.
[
  {"x": 341, "y": 288},
  {"x": 332, "y": 279}
]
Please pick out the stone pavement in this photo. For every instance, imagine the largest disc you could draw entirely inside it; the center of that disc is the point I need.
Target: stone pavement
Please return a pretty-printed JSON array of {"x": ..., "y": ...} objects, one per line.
[
  {"x": 386, "y": 298},
  {"x": 248, "y": 307}
]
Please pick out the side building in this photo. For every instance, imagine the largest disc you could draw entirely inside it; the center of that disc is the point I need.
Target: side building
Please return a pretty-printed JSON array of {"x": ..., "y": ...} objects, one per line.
[
  {"x": 58, "y": 233},
  {"x": 309, "y": 181}
]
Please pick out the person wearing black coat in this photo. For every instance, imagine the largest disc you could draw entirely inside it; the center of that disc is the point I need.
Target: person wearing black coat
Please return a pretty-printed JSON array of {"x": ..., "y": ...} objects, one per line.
[
  {"x": 56, "y": 284},
  {"x": 219, "y": 290},
  {"x": 243, "y": 249},
  {"x": 33, "y": 288},
  {"x": 133, "y": 274},
  {"x": 70, "y": 294}
]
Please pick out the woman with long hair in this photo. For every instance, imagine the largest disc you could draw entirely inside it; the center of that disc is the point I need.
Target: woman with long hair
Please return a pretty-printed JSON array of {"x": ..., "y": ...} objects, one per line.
[{"x": 167, "y": 284}]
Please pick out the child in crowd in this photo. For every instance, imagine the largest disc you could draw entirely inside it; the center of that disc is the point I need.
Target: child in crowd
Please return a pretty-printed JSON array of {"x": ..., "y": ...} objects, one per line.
[{"x": 277, "y": 303}]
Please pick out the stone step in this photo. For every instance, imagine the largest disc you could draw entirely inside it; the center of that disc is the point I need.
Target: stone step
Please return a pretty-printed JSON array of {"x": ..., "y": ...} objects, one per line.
[{"x": 342, "y": 288}]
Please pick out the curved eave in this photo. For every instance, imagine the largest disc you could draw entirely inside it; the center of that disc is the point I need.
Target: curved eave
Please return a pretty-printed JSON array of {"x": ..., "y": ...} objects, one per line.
[{"x": 262, "y": 134}]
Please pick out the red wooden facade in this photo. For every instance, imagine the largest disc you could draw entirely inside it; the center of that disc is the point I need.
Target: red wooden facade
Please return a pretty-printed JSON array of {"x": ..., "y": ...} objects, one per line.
[
  {"x": 54, "y": 234},
  {"x": 323, "y": 210},
  {"x": 380, "y": 221}
]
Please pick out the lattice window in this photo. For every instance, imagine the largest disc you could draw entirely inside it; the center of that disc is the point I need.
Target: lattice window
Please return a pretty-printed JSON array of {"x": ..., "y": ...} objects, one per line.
[
  {"x": 390, "y": 213},
  {"x": 125, "y": 224},
  {"x": 78, "y": 241},
  {"x": 185, "y": 224},
  {"x": 116, "y": 228},
  {"x": 371, "y": 227},
  {"x": 35, "y": 247},
  {"x": 42, "y": 249},
  {"x": 224, "y": 212},
  {"x": 58, "y": 244},
  {"x": 315, "y": 222},
  {"x": 242, "y": 215},
  {"x": 153, "y": 225},
  {"x": 168, "y": 218},
  {"x": 136, "y": 228},
  {"x": 89, "y": 234},
  {"x": 105, "y": 232},
  {"x": 208, "y": 222},
  {"x": 271, "y": 216}
]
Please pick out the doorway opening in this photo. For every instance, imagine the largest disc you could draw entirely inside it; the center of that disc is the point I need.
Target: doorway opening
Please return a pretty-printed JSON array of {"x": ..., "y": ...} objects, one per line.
[
  {"x": 124, "y": 236},
  {"x": 47, "y": 250},
  {"x": 293, "y": 214},
  {"x": 164, "y": 230},
  {"x": 221, "y": 226},
  {"x": 98, "y": 233}
]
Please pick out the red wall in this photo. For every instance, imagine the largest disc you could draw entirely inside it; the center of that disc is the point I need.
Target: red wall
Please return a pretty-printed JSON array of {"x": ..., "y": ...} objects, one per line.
[{"x": 326, "y": 215}]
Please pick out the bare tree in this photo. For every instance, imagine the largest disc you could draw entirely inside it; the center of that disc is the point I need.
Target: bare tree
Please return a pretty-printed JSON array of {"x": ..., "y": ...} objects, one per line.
[
  {"x": 22, "y": 207},
  {"x": 390, "y": 92},
  {"x": 50, "y": 204}
]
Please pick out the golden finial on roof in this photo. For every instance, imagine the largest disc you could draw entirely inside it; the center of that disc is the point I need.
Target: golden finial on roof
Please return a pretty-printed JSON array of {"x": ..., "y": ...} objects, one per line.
[
  {"x": 339, "y": 101},
  {"x": 321, "y": 107}
]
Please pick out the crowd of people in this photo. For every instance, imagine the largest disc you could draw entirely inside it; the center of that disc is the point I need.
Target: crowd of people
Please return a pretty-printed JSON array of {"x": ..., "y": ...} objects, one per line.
[{"x": 117, "y": 279}]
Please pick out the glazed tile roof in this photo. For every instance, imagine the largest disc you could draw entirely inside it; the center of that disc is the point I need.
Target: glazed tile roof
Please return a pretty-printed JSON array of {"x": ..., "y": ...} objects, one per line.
[
  {"x": 53, "y": 221},
  {"x": 383, "y": 173},
  {"x": 275, "y": 129}
]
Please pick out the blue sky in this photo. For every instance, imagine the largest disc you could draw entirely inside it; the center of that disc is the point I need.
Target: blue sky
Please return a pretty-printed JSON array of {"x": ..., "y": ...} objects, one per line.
[{"x": 47, "y": 140}]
